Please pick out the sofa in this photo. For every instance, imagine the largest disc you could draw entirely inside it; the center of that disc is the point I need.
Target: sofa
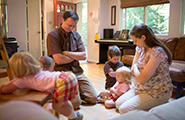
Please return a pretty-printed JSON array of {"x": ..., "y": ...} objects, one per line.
[
  {"x": 174, "y": 110},
  {"x": 177, "y": 68},
  {"x": 24, "y": 110}
]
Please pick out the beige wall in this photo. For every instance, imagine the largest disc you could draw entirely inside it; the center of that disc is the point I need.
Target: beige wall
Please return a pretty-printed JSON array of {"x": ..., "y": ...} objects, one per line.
[
  {"x": 104, "y": 21},
  {"x": 17, "y": 22},
  {"x": 175, "y": 18},
  {"x": 175, "y": 22},
  {"x": 76, "y": 1},
  {"x": 79, "y": 12},
  {"x": 105, "y": 15},
  {"x": 102, "y": 8},
  {"x": 48, "y": 20},
  {"x": 93, "y": 25},
  {"x": 67, "y": 0}
]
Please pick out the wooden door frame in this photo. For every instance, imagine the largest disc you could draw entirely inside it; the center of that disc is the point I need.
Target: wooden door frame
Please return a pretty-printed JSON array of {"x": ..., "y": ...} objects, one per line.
[
  {"x": 34, "y": 28},
  {"x": 55, "y": 9}
]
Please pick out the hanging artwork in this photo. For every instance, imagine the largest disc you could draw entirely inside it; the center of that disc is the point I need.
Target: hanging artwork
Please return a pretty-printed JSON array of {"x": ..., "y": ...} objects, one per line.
[{"x": 113, "y": 15}]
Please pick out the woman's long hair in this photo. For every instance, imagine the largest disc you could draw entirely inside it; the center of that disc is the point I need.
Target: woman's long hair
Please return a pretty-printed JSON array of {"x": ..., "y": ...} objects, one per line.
[{"x": 141, "y": 29}]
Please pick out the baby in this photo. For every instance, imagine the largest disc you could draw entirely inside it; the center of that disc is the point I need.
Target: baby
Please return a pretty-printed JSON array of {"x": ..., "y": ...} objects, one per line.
[
  {"x": 47, "y": 63},
  {"x": 122, "y": 85},
  {"x": 63, "y": 85}
]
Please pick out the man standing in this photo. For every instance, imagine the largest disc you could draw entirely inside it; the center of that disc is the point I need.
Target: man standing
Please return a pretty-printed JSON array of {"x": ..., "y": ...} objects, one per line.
[{"x": 66, "y": 48}]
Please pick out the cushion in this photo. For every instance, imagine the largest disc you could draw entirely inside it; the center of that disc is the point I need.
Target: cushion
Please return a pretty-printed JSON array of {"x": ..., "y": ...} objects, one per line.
[
  {"x": 136, "y": 115},
  {"x": 180, "y": 50},
  {"x": 128, "y": 51},
  {"x": 174, "y": 110},
  {"x": 127, "y": 59},
  {"x": 24, "y": 110},
  {"x": 170, "y": 43},
  {"x": 177, "y": 71}
]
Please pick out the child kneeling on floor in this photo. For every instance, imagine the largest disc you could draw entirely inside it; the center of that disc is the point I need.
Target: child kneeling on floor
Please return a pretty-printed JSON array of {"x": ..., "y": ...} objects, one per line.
[
  {"x": 29, "y": 74},
  {"x": 48, "y": 64},
  {"x": 122, "y": 85}
]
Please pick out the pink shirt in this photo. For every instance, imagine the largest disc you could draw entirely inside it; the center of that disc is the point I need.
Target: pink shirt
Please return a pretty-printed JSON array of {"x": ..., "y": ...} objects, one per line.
[
  {"x": 42, "y": 81},
  {"x": 121, "y": 88}
]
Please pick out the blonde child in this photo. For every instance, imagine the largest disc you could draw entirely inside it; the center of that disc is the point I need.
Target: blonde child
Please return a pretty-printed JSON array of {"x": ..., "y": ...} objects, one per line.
[
  {"x": 122, "y": 85},
  {"x": 29, "y": 74},
  {"x": 47, "y": 63}
]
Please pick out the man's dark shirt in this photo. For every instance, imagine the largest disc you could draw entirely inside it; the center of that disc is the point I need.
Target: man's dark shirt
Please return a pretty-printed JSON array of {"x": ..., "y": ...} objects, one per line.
[{"x": 58, "y": 41}]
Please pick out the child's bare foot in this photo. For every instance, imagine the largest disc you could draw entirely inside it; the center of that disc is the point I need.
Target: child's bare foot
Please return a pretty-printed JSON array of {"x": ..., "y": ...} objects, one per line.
[{"x": 109, "y": 104}]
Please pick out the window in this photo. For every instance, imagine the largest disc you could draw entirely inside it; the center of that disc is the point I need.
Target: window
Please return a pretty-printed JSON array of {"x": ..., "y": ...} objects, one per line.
[
  {"x": 66, "y": 8},
  {"x": 133, "y": 16},
  {"x": 84, "y": 23},
  {"x": 184, "y": 17},
  {"x": 62, "y": 8},
  {"x": 184, "y": 23},
  {"x": 155, "y": 16},
  {"x": 58, "y": 8}
]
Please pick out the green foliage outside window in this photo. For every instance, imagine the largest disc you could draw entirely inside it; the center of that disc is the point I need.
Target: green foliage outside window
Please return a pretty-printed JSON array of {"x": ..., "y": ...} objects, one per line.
[
  {"x": 157, "y": 17},
  {"x": 134, "y": 16},
  {"x": 184, "y": 20},
  {"x": 84, "y": 24}
]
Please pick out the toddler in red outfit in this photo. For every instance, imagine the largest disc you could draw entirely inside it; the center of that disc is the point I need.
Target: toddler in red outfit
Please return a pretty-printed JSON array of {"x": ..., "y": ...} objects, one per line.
[{"x": 122, "y": 85}]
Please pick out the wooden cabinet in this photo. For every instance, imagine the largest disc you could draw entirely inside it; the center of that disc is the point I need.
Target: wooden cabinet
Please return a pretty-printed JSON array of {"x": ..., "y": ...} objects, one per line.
[{"x": 104, "y": 44}]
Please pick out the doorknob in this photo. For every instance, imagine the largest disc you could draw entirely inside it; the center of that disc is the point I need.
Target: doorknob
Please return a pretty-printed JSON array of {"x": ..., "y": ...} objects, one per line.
[{"x": 38, "y": 32}]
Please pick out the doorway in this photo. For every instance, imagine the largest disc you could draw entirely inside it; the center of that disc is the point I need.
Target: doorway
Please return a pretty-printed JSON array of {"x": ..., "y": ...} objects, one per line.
[
  {"x": 34, "y": 38},
  {"x": 82, "y": 24},
  {"x": 59, "y": 8}
]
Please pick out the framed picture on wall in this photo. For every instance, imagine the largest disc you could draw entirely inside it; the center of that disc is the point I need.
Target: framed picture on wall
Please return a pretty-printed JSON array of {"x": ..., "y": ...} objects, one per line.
[
  {"x": 124, "y": 34},
  {"x": 113, "y": 15}
]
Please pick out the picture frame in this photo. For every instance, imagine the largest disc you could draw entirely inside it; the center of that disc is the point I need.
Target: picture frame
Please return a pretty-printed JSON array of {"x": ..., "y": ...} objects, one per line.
[
  {"x": 117, "y": 34},
  {"x": 113, "y": 15},
  {"x": 124, "y": 35}
]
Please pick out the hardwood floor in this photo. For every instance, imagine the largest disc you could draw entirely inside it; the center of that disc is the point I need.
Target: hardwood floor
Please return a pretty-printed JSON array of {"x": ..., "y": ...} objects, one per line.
[
  {"x": 3, "y": 80},
  {"x": 95, "y": 112},
  {"x": 92, "y": 112}
]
